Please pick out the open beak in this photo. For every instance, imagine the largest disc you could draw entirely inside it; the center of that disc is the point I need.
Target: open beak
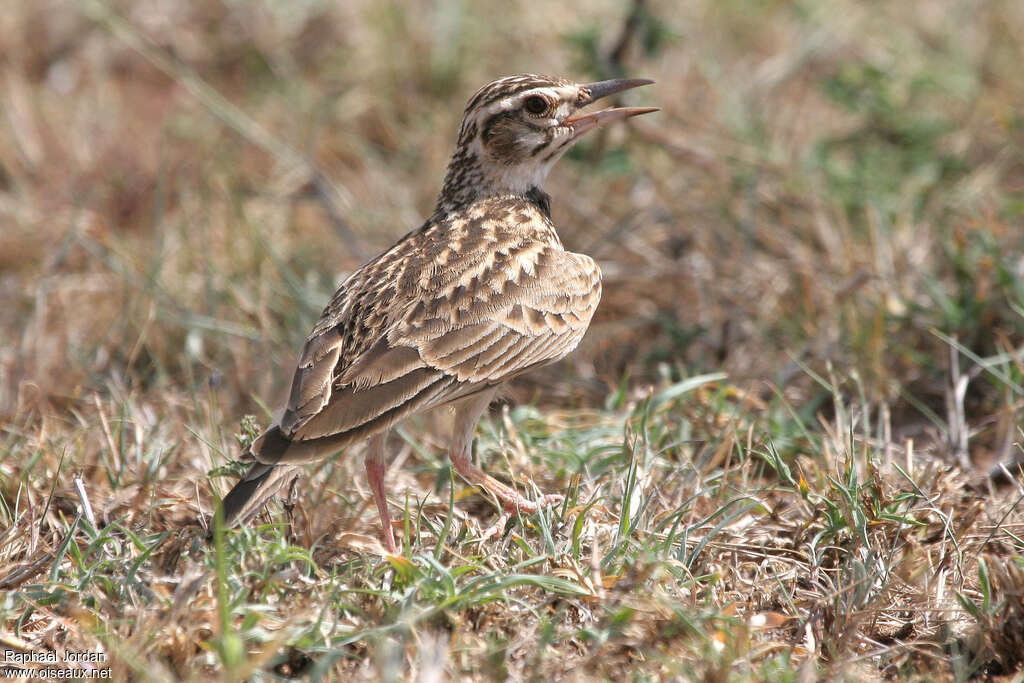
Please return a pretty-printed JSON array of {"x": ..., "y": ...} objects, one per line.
[{"x": 584, "y": 122}]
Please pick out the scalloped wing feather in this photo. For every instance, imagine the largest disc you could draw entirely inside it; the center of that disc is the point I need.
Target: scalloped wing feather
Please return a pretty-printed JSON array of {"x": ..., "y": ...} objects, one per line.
[{"x": 453, "y": 308}]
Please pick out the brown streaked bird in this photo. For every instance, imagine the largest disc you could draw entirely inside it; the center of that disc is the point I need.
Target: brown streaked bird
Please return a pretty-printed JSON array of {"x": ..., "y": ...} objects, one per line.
[{"x": 480, "y": 293}]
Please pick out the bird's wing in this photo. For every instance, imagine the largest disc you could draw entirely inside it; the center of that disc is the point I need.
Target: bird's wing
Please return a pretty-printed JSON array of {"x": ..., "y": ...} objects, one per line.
[
  {"x": 356, "y": 317},
  {"x": 448, "y": 319},
  {"x": 517, "y": 312}
]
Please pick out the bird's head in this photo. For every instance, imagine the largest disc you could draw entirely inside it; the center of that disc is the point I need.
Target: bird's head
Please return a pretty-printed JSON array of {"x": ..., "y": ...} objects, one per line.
[{"x": 515, "y": 129}]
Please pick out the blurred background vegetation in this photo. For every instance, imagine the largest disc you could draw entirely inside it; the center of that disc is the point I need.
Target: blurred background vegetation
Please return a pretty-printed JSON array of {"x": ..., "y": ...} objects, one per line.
[
  {"x": 829, "y": 208},
  {"x": 837, "y": 184}
]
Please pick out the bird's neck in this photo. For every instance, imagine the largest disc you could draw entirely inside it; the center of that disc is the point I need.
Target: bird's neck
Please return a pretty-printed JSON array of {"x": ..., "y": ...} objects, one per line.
[{"x": 467, "y": 181}]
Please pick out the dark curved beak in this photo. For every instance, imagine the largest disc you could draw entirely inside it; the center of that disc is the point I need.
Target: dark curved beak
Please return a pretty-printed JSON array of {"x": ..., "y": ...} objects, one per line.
[{"x": 584, "y": 122}]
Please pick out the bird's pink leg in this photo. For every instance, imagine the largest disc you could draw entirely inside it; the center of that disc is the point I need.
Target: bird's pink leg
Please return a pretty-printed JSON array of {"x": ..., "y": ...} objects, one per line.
[
  {"x": 376, "y": 466},
  {"x": 467, "y": 414}
]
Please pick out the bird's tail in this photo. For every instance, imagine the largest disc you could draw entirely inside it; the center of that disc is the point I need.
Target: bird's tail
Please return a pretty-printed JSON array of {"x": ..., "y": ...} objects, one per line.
[{"x": 261, "y": 482}]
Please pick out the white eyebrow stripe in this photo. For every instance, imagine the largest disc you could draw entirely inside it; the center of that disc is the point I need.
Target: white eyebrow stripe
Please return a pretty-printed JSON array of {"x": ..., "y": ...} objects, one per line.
[
  {"x": 513, "y": 101},
  {"x": 547, "y": 93}
]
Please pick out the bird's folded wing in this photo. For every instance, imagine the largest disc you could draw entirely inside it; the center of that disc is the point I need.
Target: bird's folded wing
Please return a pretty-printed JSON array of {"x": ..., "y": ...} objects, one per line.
[
  {"x": 503, "y": 314},
  {"x": 522, "y": 315}
]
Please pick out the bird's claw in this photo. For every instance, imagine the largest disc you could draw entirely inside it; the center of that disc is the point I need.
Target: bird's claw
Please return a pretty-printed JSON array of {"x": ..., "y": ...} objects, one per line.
[
  {"x": 497, "y": 528},
  {"x": 528, "y": 507}
]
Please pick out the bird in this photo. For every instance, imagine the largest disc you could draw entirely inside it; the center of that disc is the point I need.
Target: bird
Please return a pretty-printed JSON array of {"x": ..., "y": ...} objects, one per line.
[{"x": 480, "y": 293}]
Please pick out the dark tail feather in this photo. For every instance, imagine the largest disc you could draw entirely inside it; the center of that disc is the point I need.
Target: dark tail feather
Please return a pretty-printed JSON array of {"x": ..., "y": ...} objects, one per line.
[{"x": 261, "y": 482}]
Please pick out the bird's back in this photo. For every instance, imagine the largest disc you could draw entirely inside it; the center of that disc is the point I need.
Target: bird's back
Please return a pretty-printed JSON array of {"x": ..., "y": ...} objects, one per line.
[{"x": 470, "y": 299}]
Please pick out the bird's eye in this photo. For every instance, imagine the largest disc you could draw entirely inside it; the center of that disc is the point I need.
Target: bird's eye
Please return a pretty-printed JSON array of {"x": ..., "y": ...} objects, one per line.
[{"x": 536, "y": 104}]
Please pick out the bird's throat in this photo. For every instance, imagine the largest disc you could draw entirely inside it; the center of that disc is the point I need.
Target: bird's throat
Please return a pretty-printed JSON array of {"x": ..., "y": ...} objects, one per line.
[{"x": 468, "y": 180}]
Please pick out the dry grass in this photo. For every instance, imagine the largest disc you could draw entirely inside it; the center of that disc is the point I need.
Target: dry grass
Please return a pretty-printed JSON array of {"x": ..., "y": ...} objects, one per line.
[{"x": 829, "y": 211}]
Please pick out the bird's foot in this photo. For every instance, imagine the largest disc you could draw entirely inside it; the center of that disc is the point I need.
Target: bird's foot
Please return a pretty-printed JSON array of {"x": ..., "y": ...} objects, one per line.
[
  {"x": 550, "y": 500},
  {"x": 497, "y": 528},
  {"x": 520, "y": 505}
]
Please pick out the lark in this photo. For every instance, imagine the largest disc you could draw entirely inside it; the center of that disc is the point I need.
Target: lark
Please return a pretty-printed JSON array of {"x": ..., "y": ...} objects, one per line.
[{"x": 480, "y": 293}]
